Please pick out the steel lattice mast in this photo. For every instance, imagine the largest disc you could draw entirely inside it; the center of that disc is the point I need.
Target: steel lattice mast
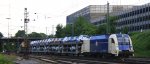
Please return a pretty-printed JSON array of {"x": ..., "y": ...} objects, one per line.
[{"x": 26, "y": 43}]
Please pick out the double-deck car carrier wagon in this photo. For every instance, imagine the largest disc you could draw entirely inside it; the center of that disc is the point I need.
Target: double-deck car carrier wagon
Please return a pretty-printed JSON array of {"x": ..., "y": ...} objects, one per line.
[{"x": 101, "y": 45}]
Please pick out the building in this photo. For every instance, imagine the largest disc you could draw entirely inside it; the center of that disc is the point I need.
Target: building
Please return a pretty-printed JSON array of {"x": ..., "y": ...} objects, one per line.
[
  {"x": 134, "y": 19},
  {"x": 93, "y": 12}
]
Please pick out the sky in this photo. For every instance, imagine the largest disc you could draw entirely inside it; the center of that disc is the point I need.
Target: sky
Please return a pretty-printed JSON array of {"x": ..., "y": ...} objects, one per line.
[{"x": 49, "y": 13}]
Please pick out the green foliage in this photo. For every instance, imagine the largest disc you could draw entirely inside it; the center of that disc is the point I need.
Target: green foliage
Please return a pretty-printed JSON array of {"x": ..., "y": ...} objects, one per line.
[
  {"x": 34, "y": 35},
  {"x": 11, "y": 46},
  {"x": 125, "y": 30},
  {"x": 67, "y": 31},
  {"x": 1, "y": 48},
  {"x": 102, "y": 29},
  {"x": 1, "y": 35},
  {"x": 112, "y": 24},
  {"x": 20, "y": 33},
  {"x": 109, "y": 27},
  {"x": 59, "y": 31},
  {"x": 133, "y": 33},
  {"x": 51, "y": 36},
  {"x": 5, "y": 60},
  {"x": 80, "y": 27},
  {"x": 37, "y": 35},
  {"x": 141, "y": 43},
  {"x": 43, "y": 35}
]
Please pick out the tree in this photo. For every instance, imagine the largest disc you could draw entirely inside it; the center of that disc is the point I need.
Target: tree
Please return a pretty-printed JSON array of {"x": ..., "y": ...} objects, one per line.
[
  {"x": 112, "y": 24},
  {"x": 59, "y": 31},
  {"x": 82, "y": 26},
  {"x": 20, "y": 33},
  {"x": 1, "y": 35},
  {"x": 67, "y": 31},
  {"x": 37, "y": 35},
  {"x": 34, "y": 35},
  {"x": 79, "y": 27},
  {"x": 102, "y": 29},
  {"x": 51, "y": 36},
  {"x": 43, "y": 35},
  {"x": 125, "y": 30}
]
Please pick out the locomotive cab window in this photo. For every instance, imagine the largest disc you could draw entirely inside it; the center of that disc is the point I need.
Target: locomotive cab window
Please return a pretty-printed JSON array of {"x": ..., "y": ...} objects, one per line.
[
  {"x": 112, "y": 40},
  {"x": 123, "y": 41}
]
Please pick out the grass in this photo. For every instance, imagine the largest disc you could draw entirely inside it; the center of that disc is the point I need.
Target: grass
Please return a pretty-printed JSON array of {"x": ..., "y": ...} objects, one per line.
[
  {"x": 141, "y": 43},
  {"x": 7, "y": 59}
]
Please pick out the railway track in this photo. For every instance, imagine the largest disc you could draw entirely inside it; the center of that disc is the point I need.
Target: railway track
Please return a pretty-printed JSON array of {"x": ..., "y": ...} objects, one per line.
[
  {"x": 71, "y": 60},
  {"x": 87, "y": 60},
  {"x": 137, "y": 60}
]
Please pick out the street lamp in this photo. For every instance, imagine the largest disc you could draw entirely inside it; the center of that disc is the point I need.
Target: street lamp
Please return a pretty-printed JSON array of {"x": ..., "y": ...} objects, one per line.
[
  {"x": 8, "y": 33},
  {"x": 8, "y": 26}
]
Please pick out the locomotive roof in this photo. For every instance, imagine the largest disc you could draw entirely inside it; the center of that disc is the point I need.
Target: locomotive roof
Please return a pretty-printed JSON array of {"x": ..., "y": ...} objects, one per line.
[{"x": 99, "y": 37}]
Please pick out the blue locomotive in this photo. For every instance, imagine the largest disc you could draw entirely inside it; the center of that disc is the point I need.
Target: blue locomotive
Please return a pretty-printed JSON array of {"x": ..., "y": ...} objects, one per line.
[{"x": 101, "y": 45}]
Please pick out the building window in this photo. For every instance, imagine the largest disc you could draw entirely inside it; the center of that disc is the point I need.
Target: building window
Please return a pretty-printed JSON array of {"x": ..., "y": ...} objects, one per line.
[
  {"x": 132, "y": 21},
  {"x": 146, "y": 9},
  {"x": 128, "y": 14},
  {"x": 140, "y": 19},
  {"x": 148, "y": 17},
  {"x": 138, "y": 27},
  {"x": 149, "y": 8},
  {"x": 129, "y": 21},
  {"x": 125, "y": 22},
  {"x": 144, "y": 26},
  {"x": 134, "y": 28},
  {"x": 134, "y": 12},
  {"x": 121, "y": 23},
  {"x": 136, "y": 20},
  {"x": 124, "y": 15},
  {"x": 140, "y": 11},
  {"x": 147, "y": 26},
  {"x": 131, "y": 28}
]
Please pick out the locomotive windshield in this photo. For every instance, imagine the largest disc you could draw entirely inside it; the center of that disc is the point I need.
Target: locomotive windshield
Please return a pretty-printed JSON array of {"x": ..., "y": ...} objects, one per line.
[{"x": 123, "y": 39}]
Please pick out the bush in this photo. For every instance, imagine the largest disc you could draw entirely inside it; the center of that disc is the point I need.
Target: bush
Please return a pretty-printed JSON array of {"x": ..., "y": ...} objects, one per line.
[
  {"x": 4, "y": 60},
  {"x": 141, "y": 43}
]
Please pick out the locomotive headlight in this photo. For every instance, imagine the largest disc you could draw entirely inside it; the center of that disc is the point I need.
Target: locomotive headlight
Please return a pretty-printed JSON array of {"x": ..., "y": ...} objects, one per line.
[
  {"x": 117, "y": 48},
  {"x": 116, "y": 51},
  {"x": 131, "y": 49}
]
